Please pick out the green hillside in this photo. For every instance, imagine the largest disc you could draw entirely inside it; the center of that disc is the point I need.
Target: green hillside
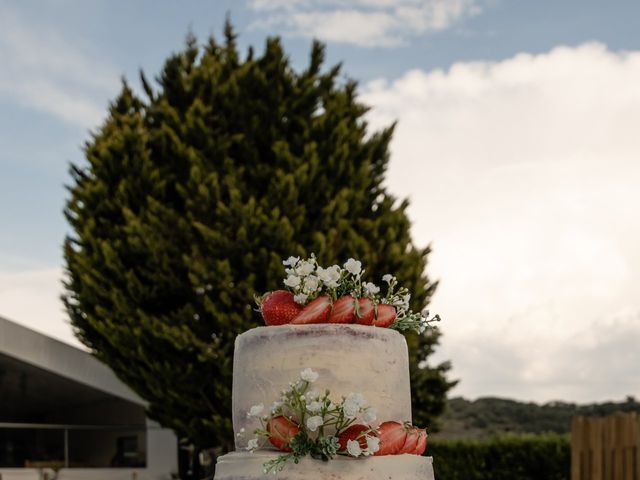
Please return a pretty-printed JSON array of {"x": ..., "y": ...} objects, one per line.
[{"x": 490, "y": 416}]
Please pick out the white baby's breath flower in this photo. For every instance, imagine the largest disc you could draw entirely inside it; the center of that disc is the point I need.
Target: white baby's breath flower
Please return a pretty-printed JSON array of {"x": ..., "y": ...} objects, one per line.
[
  {"x": 305, "y": 268},
  {"x": 291, "y": 261},
  {"x": 309, "y": 375},
  {"x": 292, "y": 281},
  {"x": 369, "y": 416},
  {"x": 329, "y": 276},
  {"x": 353, "y": 404},
  {"x": 314, "y": 422},
  {"x": 387, "y": 277},
  {"x": 371, "y": 288},
  {"x": 353, "y": 266},
  {"x": 312, "y": 394},
  {"x": 255, "y": 410},
  {"x": 311, "y": 283},
  {"x": 353, "y": 447},
  {"x": 405, "y": 300},
  {"x": 252, "y": 444},
  {"x": 373, "y": 444},
  {"x": 314, "y": 406},
  {"x": 422, "y": 328},
  {"x": 350, "y": 409},
  {"x": 276, "y": 405},
  {"x": 300, "y": 298}
]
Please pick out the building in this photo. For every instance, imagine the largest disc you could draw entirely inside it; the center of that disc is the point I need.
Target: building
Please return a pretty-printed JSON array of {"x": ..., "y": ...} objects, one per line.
[{"x": 60, "y": 408}]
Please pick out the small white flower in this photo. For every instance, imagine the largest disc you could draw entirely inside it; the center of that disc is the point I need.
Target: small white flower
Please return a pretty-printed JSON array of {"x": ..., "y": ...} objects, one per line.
[
  {"x": 353, "y": 447},
  {"x": 300, "y": 298},
  {"x": 422, "y": 328},
  {"x": 329, "y": 276},
  {"x": 352, "y": 405},
  {"x": 309, "y": 375},
  {"x": 357, "y": 398},
  {"x": 314, "y": 422},
  {"x": 255, "y": 411},
  {"x": 314, "y": 406},
  {"x": 351, "y": 410},
  {"x": 370, "y": 288},
  {"x": 276, "y": 405},
  {"x": 406, "y": 298},
  {"x": 252, "y": 444},
  {"x": 369, "y": 416},
  {"x": 292, "y": 281},
  {"x": 311, "y": 283},
  {"x": 353, "y": 266},
  {"x": 373, "y": 443},
  {"x": 312, "y": 395},
  {"x": 305, "y": 268},
  {"x": 387, "y": 278},
  {"x": 291, "y": 261},
  {"x": 200, "y": 290}
]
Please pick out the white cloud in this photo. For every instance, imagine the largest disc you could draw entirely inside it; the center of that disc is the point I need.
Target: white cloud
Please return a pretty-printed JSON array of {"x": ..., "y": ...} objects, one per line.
[
  {"x": 366, "y": 23},
  {"x": 32, "y": 298},
  {"x": 524, "y": 174},
  {"x": 43, "y": 71}
]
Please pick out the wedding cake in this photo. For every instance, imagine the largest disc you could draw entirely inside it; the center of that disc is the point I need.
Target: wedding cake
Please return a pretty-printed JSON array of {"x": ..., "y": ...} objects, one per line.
[{"x": 322, "y": 391}]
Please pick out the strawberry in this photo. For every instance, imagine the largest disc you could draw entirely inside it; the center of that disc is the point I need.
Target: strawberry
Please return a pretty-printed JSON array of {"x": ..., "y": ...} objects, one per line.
[
  {"x": 422, "y": 442},
  {"x": 282, "y": 430},
  {"x": 411, "y": 441},
  {"x": 354, "y": 432},
  {"x": 392, "y": 438},
  {"x": 385, "y": 315},
  {"x": 344, "y": 310},
  {"x": 366, "y": 311},
  {"x": 316, "y": 311},
  {"x": 278, "y": 308}
]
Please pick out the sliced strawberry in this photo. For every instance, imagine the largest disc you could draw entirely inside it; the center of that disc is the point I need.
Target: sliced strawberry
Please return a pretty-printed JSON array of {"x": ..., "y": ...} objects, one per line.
[
  {"x": 279, "y": 308},
  {"x": 316, "y": 311},
  {"x": 354, "y": 432},
  {"x": 422, "y": 442},
  {"x": 282, "y": 431},
  {"x": 385, "y": 316},
  {"x": 366, "y": 311},
  {"x": 344, "y": 310},
  {"x": 411, "y": 441},
  {"x": 392, "y": 438}
]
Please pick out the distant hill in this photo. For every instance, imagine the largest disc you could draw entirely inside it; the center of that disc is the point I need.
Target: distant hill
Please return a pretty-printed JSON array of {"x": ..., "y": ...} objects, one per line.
[{"x": 491, "y": 416}]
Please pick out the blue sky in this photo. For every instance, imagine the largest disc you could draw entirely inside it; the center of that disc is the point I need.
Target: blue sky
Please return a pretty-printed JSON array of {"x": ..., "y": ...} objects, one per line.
[{"x": 517, "y": 114}]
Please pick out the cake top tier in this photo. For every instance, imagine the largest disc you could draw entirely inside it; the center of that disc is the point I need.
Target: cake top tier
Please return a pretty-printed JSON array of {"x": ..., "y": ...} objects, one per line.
[{"x": 348, "y": 358}]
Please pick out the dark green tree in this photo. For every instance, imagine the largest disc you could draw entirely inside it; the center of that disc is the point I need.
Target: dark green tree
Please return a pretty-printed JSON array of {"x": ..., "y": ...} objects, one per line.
[{"x": 191, "y": 196}]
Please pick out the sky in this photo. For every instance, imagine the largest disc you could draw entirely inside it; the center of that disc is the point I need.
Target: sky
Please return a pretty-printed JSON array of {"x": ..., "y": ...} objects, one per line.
[{"x": 516, "y": 144}]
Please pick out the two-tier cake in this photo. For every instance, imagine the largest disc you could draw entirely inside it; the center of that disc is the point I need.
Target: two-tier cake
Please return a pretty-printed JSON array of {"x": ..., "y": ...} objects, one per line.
[{"x": 316, "y": 395}]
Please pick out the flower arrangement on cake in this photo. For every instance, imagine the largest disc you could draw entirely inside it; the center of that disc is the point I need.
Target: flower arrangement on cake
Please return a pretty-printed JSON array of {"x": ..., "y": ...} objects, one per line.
[
  {"x": 305, "y": 422},
  {"x": 335, "y": 294}
]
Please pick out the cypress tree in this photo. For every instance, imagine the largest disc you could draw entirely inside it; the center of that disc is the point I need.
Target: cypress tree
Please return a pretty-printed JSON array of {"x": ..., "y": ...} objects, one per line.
[{"x": 190, "y": 197}]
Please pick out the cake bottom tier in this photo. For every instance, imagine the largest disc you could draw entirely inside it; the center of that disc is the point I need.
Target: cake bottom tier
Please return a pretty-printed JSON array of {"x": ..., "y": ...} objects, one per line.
[{"x": 248, "y": 466}]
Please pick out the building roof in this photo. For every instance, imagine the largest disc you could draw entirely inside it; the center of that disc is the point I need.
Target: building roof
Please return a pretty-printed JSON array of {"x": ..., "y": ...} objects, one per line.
[{"x": 49, "y": 354}]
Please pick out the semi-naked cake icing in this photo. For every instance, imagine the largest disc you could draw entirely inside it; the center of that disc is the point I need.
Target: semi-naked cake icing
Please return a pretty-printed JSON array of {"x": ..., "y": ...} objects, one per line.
[{"x": 348, "y": 358}]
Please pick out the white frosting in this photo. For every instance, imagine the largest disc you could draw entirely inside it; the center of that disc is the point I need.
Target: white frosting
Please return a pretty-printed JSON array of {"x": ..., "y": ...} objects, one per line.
[
  {"x": 349, "y": 358},
  {"x": 249, "y": 466}
]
